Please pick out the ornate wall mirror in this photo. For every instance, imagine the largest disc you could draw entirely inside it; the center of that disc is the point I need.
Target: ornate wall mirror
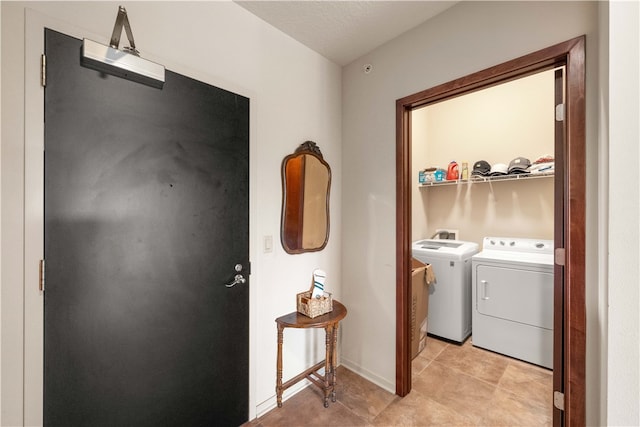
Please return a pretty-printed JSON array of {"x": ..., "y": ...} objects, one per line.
[{"x": 306, "y": 181}]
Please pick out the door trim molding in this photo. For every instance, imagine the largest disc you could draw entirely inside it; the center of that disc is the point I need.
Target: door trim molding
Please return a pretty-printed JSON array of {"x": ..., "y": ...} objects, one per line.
[{"x": 571, "y": 54}]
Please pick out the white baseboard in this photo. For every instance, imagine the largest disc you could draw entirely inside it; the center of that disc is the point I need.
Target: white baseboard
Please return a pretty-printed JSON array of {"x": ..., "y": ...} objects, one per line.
[
  {"x": 365, "y": 373},
  {"x": 272, "y": 402}
]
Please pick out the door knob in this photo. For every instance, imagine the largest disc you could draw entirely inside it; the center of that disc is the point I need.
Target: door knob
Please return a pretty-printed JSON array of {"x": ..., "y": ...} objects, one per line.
[{"x": 239, "y": 278}]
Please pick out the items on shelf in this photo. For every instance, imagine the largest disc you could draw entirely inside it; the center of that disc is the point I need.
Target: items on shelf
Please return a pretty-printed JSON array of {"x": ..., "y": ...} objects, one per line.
[
  {"x": 482, "y": 170},
  {"x": 519, "y": 165},
  {"x": 452, "y": 171},
  {"x": 544, "y": 164},
  {"x": 499, "y": 169},
  {"x": 481, "y": 167},
  {"x": 427, "y": 175}
]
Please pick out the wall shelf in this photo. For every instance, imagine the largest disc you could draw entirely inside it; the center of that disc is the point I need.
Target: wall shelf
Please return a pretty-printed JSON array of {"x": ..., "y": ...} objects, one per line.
[{"x": 483, "y": 179}]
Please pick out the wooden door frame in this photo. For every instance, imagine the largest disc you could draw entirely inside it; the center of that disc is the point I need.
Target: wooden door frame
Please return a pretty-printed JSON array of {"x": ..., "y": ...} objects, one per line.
[{"x": 571, "y": 54}]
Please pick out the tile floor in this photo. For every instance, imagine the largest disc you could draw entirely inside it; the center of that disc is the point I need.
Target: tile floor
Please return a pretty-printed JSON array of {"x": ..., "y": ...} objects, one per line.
[{"x": 453, "y": 385}]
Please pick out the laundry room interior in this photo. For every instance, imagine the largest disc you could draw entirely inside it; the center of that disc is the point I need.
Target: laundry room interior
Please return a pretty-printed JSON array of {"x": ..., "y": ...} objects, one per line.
[{"x": 482, "y": 198}]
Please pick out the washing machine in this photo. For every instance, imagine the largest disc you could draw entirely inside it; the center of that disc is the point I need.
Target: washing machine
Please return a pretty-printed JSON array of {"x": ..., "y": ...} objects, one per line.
[
  {"x": 513, "y": 298},
  {"x": 449, "y": 313}
]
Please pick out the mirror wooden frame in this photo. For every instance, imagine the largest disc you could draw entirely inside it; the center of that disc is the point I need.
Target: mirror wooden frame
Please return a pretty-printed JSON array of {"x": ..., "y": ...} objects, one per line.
[{"x": 305, "y": 201}]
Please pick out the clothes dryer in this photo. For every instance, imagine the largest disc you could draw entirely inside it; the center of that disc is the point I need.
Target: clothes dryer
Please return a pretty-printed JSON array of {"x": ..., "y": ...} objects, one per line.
[
  {"x": 513, "y": 298},
  {"x": 449, "y": 313}
]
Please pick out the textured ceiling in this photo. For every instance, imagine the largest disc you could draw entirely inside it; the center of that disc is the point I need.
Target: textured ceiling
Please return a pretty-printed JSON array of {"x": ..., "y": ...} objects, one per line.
[{"x": 342, "y": 31}]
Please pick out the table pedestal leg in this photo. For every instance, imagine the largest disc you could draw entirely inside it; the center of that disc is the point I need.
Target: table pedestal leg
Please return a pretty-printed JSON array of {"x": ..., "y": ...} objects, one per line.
[
  {"x": 279, "y": 367},
  {"x": 334, "y": 361},
  {"x": 327, "y": 363}
]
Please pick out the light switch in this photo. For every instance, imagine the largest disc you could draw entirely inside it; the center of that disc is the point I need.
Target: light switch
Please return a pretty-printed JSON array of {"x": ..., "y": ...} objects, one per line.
[{"x": 268, "y": 244}]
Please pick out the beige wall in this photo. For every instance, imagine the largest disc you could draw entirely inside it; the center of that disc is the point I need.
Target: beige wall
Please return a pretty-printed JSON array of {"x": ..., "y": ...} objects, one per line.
[
  {"x": 506, "y": 209},
  {"x": 621, "y": 299},
  {"x": 496, "y": 124},
  {"x": 466, "y": 38},
  {"x": 224, "y": 45}
]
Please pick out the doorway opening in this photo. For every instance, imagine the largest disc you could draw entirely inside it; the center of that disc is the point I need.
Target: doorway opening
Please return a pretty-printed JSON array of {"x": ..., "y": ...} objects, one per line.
[
  {"x": 569, "y": 217},
  {"x": 501, "y": 280}
]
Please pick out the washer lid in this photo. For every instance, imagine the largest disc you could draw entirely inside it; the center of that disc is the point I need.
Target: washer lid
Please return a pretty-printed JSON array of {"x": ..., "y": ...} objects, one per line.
[
  {"x": 444, "y": 247},
  {"x": 439, "y": 244}
]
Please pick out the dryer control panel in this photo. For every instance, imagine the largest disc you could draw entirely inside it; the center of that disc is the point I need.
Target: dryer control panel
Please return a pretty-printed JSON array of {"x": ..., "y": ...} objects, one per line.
[{"x": 518, "y": 244}]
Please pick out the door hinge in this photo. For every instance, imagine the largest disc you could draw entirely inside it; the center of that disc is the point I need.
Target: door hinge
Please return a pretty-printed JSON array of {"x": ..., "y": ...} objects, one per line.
[
  {"x": 41, "y": 277},
  {"x": 558, "y": 400},
  {"x": 560, "y": 256},
  {"x": 43, "y": 70},
  {"x": 559, "y": 112}
]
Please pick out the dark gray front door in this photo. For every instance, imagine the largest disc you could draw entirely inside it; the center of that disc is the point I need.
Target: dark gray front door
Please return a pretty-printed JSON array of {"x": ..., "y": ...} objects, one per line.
[{"x": 146, "y": 216}]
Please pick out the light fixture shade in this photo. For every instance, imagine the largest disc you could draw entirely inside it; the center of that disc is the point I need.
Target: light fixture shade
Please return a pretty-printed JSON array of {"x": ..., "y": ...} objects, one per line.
[{"x": 121, "y": 64}]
